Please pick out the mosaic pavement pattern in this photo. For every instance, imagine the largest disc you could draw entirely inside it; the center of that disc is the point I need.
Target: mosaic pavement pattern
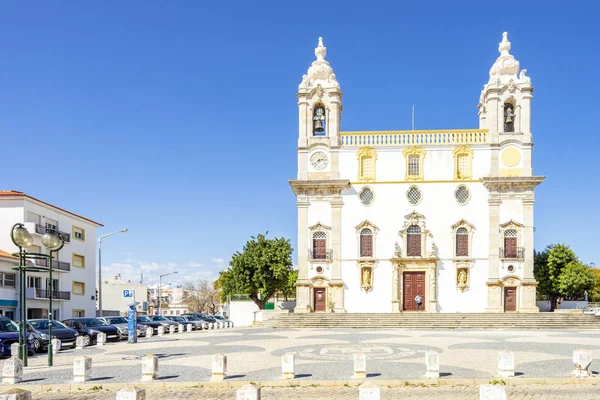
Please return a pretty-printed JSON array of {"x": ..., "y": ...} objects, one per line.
[{"x": 326, "y": 354}]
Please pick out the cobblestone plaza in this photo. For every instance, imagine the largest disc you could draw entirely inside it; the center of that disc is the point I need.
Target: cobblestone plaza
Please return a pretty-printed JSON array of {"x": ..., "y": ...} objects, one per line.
[{"x": 395, "y": 361}]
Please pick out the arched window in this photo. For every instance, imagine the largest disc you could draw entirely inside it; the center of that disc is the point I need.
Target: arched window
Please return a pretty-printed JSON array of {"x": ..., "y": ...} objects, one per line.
[
  {"x": 319, "y": 245},
  {"x": 510, "y": 243},
  {"x": 413, "y": 241},
  {"x": 366, "y": 243},
  {"x": 509, "y": 117},
  {"x": 462, "y": 242},
  {"x": 319, "y": 120}
]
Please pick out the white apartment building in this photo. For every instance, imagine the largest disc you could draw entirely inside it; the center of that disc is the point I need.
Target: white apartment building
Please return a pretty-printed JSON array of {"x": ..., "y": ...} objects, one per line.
[
  {"x": 8, "y": 285},
  {"x": 75, "y": 269},
  {"x": 171, "y": 300},
  {"x": 384, "y": 216}
]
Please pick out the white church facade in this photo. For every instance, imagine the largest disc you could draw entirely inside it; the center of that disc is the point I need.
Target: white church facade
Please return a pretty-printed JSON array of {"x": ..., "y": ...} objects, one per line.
[{"x": 384, "y": 216}]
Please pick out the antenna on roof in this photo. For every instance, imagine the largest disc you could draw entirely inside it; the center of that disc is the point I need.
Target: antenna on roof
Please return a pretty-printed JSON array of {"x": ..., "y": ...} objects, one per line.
[
  {"x": 141, "y": 277},
  {"x": 413, "y": 117}
]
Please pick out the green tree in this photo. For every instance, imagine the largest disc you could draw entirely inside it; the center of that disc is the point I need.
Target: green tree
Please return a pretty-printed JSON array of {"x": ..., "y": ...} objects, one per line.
[
  {"x": 574, "y": 280},
  {"x": 594, "y": 294},
  {"x": 290, "y": 289},
  {"x": 260, "y": 270},
  {"x": 548, "y": 267}
]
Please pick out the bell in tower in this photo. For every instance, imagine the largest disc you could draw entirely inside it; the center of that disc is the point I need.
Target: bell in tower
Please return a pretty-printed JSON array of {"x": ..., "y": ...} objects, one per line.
[{"x": 319, "y": 120}]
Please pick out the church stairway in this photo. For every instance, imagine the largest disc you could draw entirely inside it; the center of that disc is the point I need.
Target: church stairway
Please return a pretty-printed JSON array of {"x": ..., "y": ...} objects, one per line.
[{"x": 435, "y": 321}]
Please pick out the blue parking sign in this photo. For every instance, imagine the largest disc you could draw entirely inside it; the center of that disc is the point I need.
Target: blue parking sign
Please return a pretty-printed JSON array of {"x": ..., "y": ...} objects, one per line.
[{"x": 127, "y": 293}]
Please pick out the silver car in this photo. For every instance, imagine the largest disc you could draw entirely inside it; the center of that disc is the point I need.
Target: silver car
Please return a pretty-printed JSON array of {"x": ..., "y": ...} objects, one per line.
[{"x": 122, "y": 325}]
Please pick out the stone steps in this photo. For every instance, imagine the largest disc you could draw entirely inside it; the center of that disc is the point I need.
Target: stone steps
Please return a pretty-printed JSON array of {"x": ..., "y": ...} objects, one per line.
[{"x": 428, "y": 321}]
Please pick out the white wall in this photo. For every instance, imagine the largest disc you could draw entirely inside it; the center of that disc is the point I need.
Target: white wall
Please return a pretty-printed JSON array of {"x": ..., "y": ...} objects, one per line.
[{"x": 242, "y": 312}]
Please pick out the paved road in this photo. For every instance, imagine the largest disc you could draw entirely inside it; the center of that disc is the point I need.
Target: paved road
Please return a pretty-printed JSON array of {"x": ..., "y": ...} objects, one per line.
[{"x": 566, "y": 392}]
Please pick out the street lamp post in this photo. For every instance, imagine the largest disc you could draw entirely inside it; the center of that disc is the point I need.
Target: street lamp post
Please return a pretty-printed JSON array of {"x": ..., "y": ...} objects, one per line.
[
  {"x": 100, "y": 267},
  {"x": 22, "y": 238},
  {"x": 160, "y": 287},
  {"x": 54, "y": 242}
]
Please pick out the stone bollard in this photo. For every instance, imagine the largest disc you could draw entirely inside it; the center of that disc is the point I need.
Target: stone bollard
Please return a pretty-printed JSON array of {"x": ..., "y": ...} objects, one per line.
[
  {"x": 181, "y": 328},
  {"x": 172, "y": 329},
  {"x": 14, "y": 350},
  {"x": 189, "y": 327},
  {"x": 161, "y": 330},
  {"x": 492, "y": 392},
  {"x": 131, "y": 393},
  {"x": 16, "y": 394},
  {"x": 432, "y": 361},
  {"x": 149, "y": 367},
  {"x": 360, "y": 366},
  {"x": 219, "y": 367},
  {"x": 288, "y": 366},
  {"x": 12, "y": 372},
  {"x": 149, "y": 331},
  {"x": 582, "y": 359},
  {"x": 369, "y": 391},
  {"x": 248, "y": 392},
  {"x": 211, "y": 325},
  {"x": 56, "y": 345},
  {"x": 101, "y": 339},
  {"x": 506, "y": 363},
  {"x": 82, "y": 369},
  {"x": 80, "y": 343}
]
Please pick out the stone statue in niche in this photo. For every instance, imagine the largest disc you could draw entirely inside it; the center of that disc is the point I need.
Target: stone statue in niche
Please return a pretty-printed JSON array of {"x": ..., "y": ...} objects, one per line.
[
  {"x": 462, "y": 279},
  {"x": 397, "y": 250},
  {"x": 366, "y": 278}
]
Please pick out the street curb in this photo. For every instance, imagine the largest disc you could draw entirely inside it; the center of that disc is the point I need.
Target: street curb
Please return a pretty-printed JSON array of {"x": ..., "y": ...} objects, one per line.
[{"x": 307, "y": 383}]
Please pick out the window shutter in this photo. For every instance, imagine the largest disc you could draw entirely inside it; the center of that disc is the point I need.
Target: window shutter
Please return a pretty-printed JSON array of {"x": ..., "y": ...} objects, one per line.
[
  {"x": 462, "y": 245},
  {"x": 366, "y": 245}
]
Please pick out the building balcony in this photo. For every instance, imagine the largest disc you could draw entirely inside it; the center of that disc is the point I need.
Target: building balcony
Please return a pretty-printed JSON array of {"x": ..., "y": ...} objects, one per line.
[
  {"x": 41, "y": 229},
  {"x": 56, "y": 265},
  {"x": 517, "y": 253},
  {"x": 320, "y": 254},
  {"x": 43, "y": 294}
]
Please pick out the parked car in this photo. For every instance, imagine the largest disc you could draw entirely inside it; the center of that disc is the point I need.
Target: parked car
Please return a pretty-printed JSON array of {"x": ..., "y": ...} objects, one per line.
[
  {"x": 195, "y": 320},
  {"x": 180, "y": 320},
  {"x": 122, "y": 325},
  {"x": 163, "y": 321},
  {"x": 91, "y": 327},
  {"x": 220, "y": 318},
  {"x": 40, "y": 330},
  {"x": 143, "y": 321},
  {"x": 9, "y": 334},
  {"x": 202, "y": 316}
]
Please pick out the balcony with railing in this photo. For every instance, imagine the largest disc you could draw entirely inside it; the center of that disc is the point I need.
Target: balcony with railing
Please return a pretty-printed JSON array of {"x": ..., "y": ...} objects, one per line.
[
  {"x": 41, "y": 229},
  {"x": 42, "y": 294},
  {"x": 320, "y": 254},
  {"x": 514, "y": 253},
  {"x": 410, "y": 138},
  {"x": 56, "y": 265}
]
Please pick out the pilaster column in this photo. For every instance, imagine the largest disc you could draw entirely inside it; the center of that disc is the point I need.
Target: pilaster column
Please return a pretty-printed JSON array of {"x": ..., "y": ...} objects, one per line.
[
  {"x": 494, "y": 300},
  {"x": 336, "y": 248},
  {"x": 395, "y": 292},
  {"x": 528, "y": 285},
  {"x": 302, "y": 284}
]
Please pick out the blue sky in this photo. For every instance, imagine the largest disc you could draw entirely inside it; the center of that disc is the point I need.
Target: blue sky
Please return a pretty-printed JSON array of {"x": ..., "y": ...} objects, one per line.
[{"x": 178, "y": 120}]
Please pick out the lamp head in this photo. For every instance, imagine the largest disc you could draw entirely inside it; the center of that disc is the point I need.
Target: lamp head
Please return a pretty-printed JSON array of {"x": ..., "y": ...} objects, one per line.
[
  {"x": 51, "y": 240},
  {"x": 22, "y": 237}
]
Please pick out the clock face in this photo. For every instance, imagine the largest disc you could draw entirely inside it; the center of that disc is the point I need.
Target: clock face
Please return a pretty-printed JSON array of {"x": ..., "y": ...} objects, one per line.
[{"x": 319, "y": 160}]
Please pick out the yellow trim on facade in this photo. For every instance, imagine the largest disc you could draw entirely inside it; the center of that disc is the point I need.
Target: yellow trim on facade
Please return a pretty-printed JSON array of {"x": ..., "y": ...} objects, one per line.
[
  {"x": 351, "y": 133},
  {"x": 73, "y": 288},
  {"x": 410, "y": 182},
  {"x": 73, "y": 262},
  {"x": 463, "y": 150},
  {"x": 77, "y": 316},
  {"x": 417, "y": 151},
  {"x": 366, "y": 153},
  {"x": 82, "y": 233}
]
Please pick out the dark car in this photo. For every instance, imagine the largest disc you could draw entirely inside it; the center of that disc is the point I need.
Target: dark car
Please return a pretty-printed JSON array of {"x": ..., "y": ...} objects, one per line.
[
  {"x": 39, "y": 329},
  {"x": 143, "y": 321},
  {"x": 91, "y": 327},
  {"x": 200, "y": 324},
  {"x": 9, "y": 334},
  {"x": 202, "y": 316},
  {"x": 122, "y": 325},
  {"x": 182, "y": 321},
  {"x": 163, "y": 321}
]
